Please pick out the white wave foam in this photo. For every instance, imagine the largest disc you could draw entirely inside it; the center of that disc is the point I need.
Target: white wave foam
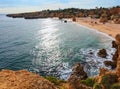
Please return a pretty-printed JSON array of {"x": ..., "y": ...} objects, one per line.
[{"x": 93, "y": 62}]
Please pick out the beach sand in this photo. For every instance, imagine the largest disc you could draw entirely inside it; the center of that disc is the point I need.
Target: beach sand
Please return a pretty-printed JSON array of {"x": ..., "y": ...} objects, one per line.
[{"x": 109, "y": 28}]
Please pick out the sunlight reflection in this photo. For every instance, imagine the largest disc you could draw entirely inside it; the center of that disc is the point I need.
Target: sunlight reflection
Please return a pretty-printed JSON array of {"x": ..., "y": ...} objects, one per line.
[
  {"x": 49, "y": 51},
  {"x": 48, "y": 55},
  {"x": 49, "y": 36}
]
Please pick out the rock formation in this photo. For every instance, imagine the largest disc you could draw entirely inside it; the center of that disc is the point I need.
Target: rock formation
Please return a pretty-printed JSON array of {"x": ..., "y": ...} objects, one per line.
[
  {"x": 78, "y": 71},
  {"x": 106, "y": 78},
  {"x": 102, "y": 72},
  {"x": 113, "y": 63},
  {"x": 118, "y": 59},
  {"x": 23, "y": 80},
  {"x": 114, "y": 45},
  {"x": 102, "y": 53},
  {"x": 77, "y": 75},
  {"x": 103, "y": 18},
  {"x": 74, "y": 19}
]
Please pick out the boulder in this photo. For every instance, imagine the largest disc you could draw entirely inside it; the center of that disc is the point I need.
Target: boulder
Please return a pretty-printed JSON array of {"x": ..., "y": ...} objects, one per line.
[
  {"x": 102, "y": 53},
  {"x": 110, "y": 63},
  {"x": 65, "y": 21}
]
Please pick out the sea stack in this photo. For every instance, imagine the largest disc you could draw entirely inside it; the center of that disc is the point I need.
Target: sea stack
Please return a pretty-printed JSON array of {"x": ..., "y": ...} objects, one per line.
[{"x": 102, "y": 53}]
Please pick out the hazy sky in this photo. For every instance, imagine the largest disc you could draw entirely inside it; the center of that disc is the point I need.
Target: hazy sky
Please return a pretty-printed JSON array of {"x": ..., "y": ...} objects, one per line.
[{"x": 17, "y": 6}]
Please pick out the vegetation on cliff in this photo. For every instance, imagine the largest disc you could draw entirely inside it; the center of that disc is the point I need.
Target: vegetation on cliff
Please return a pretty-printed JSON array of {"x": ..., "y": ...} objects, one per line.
[
  {"x": 107, "y": 79},
  {"x": 88, "y": 82},
  {"x": 23, "y": 80},
  {"x": 104, "y": 14}
]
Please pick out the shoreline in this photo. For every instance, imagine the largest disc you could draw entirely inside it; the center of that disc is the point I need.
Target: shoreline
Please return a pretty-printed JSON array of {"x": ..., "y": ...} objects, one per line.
[
  {"x": 109, "y": 29},
  {"x": 97, "y": 31}
]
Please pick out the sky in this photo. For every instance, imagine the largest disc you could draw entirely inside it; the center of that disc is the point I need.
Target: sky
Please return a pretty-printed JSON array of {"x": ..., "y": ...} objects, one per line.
[{"x": 18, "y": 6}]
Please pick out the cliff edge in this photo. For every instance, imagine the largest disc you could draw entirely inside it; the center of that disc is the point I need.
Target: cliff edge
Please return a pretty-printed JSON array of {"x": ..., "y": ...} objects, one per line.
[{"x": 23, "y": 79}]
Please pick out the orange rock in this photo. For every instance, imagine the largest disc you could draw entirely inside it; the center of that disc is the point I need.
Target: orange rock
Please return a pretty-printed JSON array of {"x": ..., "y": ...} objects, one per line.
[
  {"x": 23, "y": 80},
  {"x": 118, "y": 60}
]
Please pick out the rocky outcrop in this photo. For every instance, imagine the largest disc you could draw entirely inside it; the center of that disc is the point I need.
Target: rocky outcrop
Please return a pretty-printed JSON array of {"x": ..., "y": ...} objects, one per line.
[
  {"x": 74, "y": 19},
  {"x": 104, "y": 18},
  {"x": 118, "y": 59},
  {"x": 102, "y": 71},
  {"x": 77, "y": 75},
  {"x": 113, "y": 63},
  {"x": 102, "y": 53},
  {"x": 114, "y": 45},
  {"x": 106, "y": 78},
  {"x": 78, "y": 71},
  {"x": 23, "y": 80},
  {"x": 65, "y": 21}
]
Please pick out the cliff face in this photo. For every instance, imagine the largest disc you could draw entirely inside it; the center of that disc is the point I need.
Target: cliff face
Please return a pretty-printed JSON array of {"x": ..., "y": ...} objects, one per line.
[
  {"x": 23, "y": 80},
  {"x": 77, "y": 75},
  {"x": 118, "y": 59},
  {"x": 104, "y": 14},
  {"x": 106, "y": 79}
]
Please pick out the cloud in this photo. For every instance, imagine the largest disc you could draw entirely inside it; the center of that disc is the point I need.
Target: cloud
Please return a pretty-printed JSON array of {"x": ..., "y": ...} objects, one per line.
[{"x": 11, "y": 6}]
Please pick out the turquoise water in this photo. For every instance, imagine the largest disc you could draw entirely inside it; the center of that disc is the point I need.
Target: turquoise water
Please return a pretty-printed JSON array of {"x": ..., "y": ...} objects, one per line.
[{"x": 49, "y": 46}]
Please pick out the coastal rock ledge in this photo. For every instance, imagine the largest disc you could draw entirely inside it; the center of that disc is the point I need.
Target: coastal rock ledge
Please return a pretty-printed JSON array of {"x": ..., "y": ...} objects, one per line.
[{"x": 23, "y": 79}]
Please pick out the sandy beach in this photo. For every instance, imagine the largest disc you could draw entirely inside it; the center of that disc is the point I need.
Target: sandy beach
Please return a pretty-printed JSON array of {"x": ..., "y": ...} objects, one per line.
[{"x": 109, "y": 28}]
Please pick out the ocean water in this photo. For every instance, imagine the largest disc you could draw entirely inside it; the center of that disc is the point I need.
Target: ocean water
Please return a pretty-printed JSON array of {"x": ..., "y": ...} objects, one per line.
[{"x": 50, "y": 46}]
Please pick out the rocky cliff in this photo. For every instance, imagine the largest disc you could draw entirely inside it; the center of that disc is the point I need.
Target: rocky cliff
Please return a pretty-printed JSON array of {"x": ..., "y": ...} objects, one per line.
[
  {"x": 118, "y": 59},
  {"x": 107, "y": 79},
  {"x": 23, "y": 80}
]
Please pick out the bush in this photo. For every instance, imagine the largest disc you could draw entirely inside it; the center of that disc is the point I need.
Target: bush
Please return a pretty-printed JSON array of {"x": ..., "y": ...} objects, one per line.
[
  {"x": 88, "y": 82},
  {"x": 97, "y": 86},
  {"x": 54, "y": 80},
  {"x": 115, "y": 86},
  {"x": 108, "y": 80}
]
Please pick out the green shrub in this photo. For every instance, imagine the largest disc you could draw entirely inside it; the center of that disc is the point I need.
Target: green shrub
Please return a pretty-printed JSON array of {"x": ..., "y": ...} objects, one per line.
[
  {"x": 108, "y": 80},
  {"x": 97, "y": 86},
  {"x": 89, "y": 82},
  {"x": 115, "y": 86},
  {"x": 54, "y": 80}
]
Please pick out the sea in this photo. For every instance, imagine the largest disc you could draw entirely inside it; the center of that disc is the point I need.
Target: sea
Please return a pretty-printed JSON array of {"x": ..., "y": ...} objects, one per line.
[{"x": 50, "y": 47}]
